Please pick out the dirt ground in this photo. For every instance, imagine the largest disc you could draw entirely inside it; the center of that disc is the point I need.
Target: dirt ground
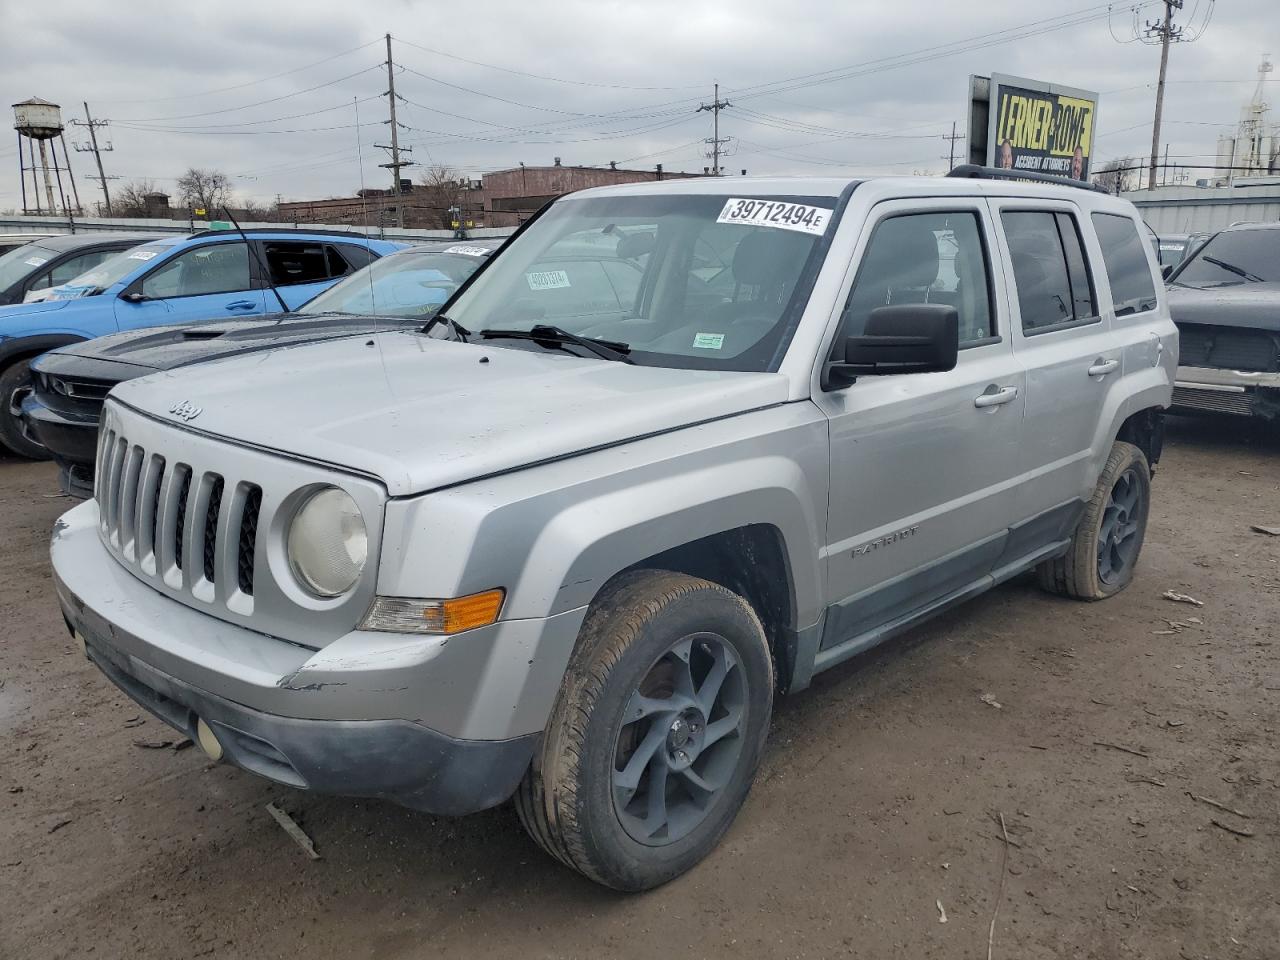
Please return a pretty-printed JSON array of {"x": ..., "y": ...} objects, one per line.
[{"x": 876, "y": 809}]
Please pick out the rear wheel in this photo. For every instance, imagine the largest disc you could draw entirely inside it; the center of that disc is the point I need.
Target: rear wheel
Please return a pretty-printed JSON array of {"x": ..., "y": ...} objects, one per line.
[
  {"x": 656, "y": 733},
  {"x": 15, "y": 386},
  {"x": 1104, "y": 548}
]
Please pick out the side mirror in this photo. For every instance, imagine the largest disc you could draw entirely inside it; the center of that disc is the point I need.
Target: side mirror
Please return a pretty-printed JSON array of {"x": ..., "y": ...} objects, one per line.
[
  {"x": 911, "y": 338},
  {"x": 1166, "y": 270}
]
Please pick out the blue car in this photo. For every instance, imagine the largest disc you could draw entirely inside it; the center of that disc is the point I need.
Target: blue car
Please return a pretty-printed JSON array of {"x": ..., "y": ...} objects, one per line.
[{"x": 211, "y": 275}]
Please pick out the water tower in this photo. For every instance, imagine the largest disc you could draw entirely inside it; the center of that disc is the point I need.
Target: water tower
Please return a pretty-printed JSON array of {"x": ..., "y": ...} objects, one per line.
[{"x": 39, "y": 123}]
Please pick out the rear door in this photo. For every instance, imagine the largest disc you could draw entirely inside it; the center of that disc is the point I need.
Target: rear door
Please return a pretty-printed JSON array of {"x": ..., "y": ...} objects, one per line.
[
  {"x": 301, "y": 269},
  {"x": 922, "y": 465},
  {"x": 211, "y": 281},
  {"x": 1064, "y": 339}
]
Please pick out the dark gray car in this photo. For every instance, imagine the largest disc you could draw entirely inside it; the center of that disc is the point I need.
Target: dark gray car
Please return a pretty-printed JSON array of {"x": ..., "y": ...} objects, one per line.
[
  {"x": 51, "y": 261},
  {"x": 1226, "y": 302}
]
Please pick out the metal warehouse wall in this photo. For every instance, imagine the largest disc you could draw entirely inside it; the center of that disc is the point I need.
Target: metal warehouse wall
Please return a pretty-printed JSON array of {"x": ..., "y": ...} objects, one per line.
[{"x": 1202, "y": 209}]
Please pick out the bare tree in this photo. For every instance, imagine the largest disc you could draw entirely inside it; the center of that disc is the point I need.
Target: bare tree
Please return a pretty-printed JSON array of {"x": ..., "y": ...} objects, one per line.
[
  {"x": 259, "y": 212},
  {"x": 130, "y": 199},
  {"x": 1117, "y": 176},
  {"x": 440, "y": 187},
  {"x": 209, "y": 190}
]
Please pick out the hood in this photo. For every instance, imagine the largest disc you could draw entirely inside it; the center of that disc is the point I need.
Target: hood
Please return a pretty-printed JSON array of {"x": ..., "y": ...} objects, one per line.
[
  {"x": 422, "y": 413},
  {"x": 164, "y": 348},
  {"x": 20, "y": 311},
  {"x": 1254, "y": 305}
]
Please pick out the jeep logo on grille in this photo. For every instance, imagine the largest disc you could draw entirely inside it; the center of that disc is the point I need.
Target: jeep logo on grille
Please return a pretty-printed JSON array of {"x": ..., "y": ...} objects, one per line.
[{"x": 185, "y": 410}]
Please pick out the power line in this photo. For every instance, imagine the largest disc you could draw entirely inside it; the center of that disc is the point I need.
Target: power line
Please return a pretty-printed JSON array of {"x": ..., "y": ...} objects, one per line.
[
  {"x": 248, "y": 83},
  {"x": 394, "y": 148},
  {"x": 539, "y": 76},
  {"x": 1166, "y": 32},
  {"x": 93, "y": 126},
  {"x": 259, "y": 103},
  {"x": 717, "y": 143}
]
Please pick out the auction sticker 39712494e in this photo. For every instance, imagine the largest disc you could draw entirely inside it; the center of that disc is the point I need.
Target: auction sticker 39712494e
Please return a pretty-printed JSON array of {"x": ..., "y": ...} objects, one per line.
[{"x": 782, "y": 214}]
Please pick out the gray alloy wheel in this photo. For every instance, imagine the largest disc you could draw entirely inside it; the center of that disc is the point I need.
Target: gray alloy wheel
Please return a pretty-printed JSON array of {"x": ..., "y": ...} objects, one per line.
[
  {"x": 1118, "y": 539},
  {"x": 680, "y": 740},
  {"x": 656, "y": 734},
  {"x": 1104, "y": 549}
]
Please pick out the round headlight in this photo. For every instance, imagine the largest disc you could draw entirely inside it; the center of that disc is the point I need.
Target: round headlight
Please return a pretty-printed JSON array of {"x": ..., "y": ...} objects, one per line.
[{"x": 328, "y": 543}]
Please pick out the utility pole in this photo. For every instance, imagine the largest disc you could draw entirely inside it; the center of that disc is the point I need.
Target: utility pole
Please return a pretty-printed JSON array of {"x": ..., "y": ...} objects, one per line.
[
  {"x": 951, "y": 156},
  {"x": 716, "y": 141},
  {"x": 1166, "y": 33},
  {"x": 97, "y": 151},
  {"x": 395, "y": 148}
]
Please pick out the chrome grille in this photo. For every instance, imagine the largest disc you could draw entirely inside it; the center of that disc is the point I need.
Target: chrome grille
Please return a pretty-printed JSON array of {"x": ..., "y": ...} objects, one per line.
[
  {"x": 1213, "y": 401},
  {"x": 165, "y": 519}
]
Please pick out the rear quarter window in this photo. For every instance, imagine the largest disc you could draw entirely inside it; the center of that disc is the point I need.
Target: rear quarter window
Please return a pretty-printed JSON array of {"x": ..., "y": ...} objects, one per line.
[{"x": 1125, "y": 257}]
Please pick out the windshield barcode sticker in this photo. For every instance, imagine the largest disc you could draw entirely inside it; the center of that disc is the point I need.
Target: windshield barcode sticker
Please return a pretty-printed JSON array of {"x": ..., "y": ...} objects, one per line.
[
  {"x": 467, "y": 251},
  {"x": 36, "y": 261},
  {"x": 776, "y": 213},
  {"x": 142, "y": 255},
  {"x": 547, "y": 280}
]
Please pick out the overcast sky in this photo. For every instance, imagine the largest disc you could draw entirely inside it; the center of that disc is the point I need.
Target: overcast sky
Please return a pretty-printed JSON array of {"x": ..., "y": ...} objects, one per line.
[{"x": 591, "y": 81}]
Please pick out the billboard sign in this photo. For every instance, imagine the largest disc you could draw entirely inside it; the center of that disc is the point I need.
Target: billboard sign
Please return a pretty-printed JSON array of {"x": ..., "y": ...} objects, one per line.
[{"x": 1033, "y": 126}]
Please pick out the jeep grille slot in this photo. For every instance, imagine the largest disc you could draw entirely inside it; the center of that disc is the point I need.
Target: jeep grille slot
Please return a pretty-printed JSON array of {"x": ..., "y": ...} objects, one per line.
[
  {"x": 212, "y": 511},
  {"x": 149, "y": 510},
  {"x": 247, "y": 546},
  {"x": 180, "y": 514}
]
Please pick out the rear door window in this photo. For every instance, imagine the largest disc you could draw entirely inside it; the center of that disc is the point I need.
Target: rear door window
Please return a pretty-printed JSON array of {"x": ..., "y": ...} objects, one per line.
[
  {"x": 1049, "y": 270},
  {"x": 290, "y": 261},
  {"x": 1125, "y": 257}
]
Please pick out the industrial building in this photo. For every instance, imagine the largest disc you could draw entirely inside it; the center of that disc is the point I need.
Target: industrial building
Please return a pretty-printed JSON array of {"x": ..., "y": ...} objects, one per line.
[{"x": 502, "y": 198}]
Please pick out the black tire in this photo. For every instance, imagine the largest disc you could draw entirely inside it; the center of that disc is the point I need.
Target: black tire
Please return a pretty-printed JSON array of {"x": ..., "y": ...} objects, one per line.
[
  {"x": 1083, "y": 572},
  {"x": 15, "y": 383},
  {"x": 569, "y": 802}
]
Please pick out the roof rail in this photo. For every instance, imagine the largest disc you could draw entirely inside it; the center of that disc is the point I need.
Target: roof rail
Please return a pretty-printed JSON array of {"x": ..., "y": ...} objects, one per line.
[
  {"x": 973, "y": 171},
  {"x": 303, "y": 231}
]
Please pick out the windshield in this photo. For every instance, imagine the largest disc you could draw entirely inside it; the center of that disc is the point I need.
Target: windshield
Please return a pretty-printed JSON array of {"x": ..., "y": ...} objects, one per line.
[
  {"x": 111, "y": 270},
  {"x": 707, "y": 282},
  {"x": 17, "y": 263},
  {"x": 409, "y": 284},
  {"x": 1232, "y": 257}
]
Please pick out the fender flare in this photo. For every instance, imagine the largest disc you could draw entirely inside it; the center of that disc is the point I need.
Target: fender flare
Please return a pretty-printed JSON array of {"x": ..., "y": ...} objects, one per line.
[{"x": 19, "y": 347}]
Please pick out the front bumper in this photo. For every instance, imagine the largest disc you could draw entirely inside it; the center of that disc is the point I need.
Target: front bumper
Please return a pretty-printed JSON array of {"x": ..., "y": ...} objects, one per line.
[
  {"x": 393, "y": 759},
  {"x": 383, "y": 715},
  {"x": 1238, "y": 392},
  {"x": 72, "y": 439}
]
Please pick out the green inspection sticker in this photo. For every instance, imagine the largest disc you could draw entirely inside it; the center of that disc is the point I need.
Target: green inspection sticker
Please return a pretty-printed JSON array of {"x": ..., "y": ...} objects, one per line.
[{"x": 708, "y": 341}]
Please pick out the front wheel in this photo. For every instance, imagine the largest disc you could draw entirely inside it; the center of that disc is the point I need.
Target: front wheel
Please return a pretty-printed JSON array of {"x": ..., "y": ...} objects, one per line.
[
  {"x": 1104, "y": 548},
  {"x": 656, "y": 734},
  {"x": 15, "y": 386}
]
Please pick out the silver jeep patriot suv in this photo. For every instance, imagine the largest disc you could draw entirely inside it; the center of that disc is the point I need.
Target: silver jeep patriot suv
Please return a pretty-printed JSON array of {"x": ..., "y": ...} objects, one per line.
[{"x": 677, "y": 447}]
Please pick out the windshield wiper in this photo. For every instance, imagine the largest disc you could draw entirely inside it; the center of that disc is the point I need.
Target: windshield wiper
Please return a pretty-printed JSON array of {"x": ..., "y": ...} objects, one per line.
[
  {"x": 1232, "y": 268},
  {"x": 549, "y": 336},
  {"x": 459, "y": 331}
]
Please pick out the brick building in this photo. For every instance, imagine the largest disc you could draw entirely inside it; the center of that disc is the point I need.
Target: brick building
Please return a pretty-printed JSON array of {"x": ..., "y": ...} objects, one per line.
[
  {"x": 512, "y": 196},
  {"x": 504, "y": 198}
]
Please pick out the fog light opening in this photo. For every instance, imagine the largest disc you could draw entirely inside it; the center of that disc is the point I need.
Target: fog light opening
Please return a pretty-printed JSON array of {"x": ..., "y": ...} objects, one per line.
[{"x": 208, "y": 740}]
